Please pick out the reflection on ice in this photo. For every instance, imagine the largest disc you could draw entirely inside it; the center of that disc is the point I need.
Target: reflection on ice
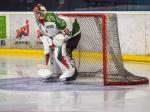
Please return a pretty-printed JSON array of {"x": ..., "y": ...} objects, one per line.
[{"x": 22, "y": 91}]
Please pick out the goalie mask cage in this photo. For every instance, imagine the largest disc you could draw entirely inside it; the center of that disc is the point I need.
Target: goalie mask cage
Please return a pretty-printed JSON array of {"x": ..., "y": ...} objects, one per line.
[{"x": 98, "y": 53}]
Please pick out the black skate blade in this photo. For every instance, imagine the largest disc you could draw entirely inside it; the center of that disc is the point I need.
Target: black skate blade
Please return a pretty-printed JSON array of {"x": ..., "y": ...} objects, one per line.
[
  {"x": 69, "y": 82},
  {"x": 52, "y": 79}
]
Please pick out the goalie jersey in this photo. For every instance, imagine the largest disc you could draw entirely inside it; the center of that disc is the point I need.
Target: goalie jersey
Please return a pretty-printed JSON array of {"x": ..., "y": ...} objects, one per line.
[{"x": 52, "y": 24}]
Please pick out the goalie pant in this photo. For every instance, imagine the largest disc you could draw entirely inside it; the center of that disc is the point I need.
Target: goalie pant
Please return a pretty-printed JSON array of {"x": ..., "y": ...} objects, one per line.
[{"x": 57, "y": 58}]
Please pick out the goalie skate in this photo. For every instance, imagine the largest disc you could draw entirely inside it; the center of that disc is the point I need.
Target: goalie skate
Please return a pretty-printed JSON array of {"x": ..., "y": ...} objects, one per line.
[
  {"x": 72, "y": 77},
  {"x": 71, "y": 80}
]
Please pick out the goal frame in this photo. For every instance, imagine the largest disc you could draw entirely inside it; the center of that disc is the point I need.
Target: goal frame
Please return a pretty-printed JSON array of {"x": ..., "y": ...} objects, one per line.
[{"x": 104, "y": 46}]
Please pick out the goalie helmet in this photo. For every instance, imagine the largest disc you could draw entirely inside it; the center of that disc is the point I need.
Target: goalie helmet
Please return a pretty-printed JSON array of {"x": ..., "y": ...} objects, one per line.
[{"x": 39, "y": 11}]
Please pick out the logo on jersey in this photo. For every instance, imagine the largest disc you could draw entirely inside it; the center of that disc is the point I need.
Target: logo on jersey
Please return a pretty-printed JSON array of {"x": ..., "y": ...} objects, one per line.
[
  {"x": 51, "y": 18},
  {"x": 50, "y": 26}
]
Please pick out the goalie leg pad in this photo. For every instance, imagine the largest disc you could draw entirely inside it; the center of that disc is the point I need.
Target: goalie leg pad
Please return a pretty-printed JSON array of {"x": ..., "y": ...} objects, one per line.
[
  {"x": 65, "y": 63},
  {"x": 58, "y": 40},
  {"x": 67, "y": 74},
  {"x": 46, "y": 43},
  {"x": 45, "y": 73}
]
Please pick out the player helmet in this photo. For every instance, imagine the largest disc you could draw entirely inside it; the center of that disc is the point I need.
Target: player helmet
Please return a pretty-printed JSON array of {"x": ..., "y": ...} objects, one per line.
[{"x": 39, "y": 11}]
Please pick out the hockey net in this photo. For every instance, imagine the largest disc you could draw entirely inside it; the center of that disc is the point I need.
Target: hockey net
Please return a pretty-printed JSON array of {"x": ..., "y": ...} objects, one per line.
[{"x": 98, "y": 53}]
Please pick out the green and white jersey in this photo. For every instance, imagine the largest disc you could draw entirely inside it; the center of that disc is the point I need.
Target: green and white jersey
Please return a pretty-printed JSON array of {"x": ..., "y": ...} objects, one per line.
[
  {"x": 72, "y": 26},
  {"x": 52, "y": 24}
]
